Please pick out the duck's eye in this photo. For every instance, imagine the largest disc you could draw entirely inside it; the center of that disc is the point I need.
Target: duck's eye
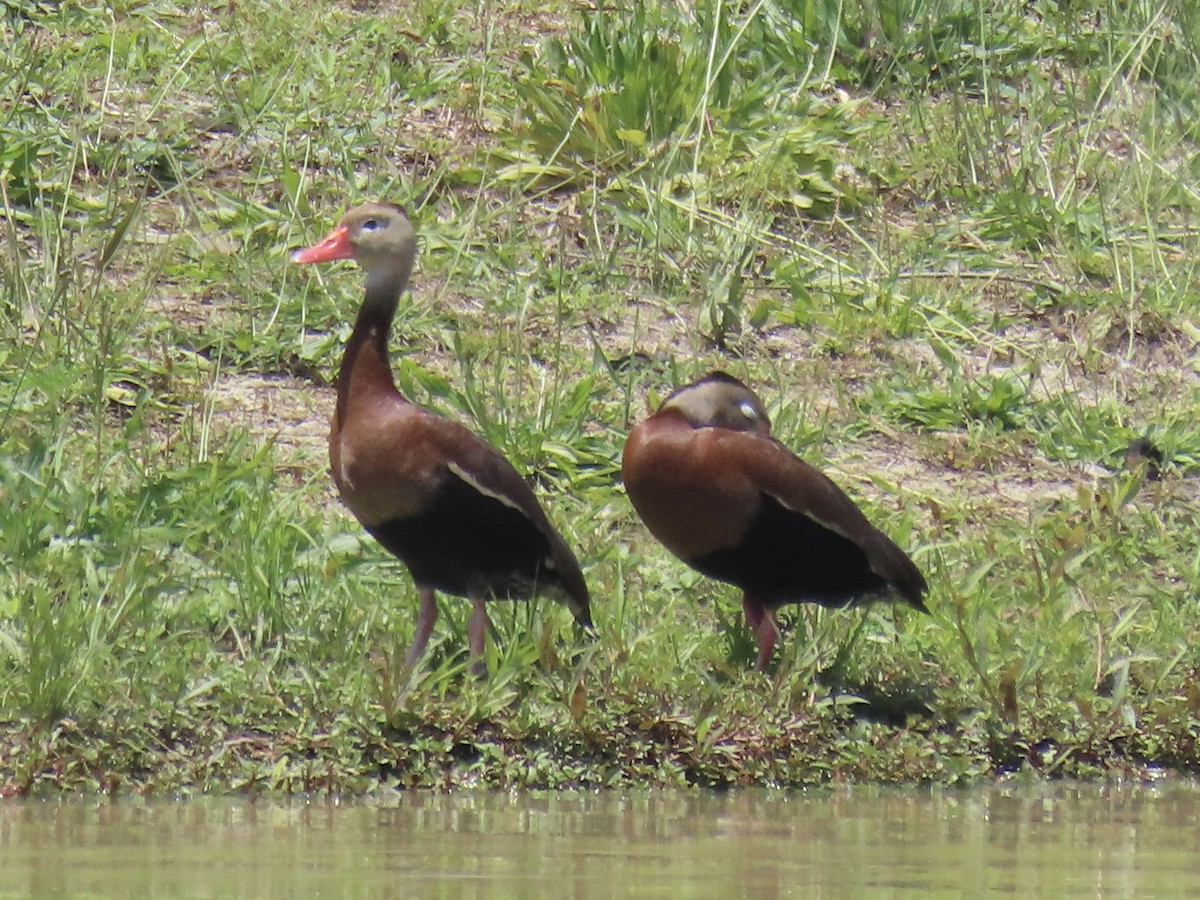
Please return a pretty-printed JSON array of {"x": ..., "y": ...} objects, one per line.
[
  {"x": 748, "y": 410},
  {"x": 371, "y": 225}
]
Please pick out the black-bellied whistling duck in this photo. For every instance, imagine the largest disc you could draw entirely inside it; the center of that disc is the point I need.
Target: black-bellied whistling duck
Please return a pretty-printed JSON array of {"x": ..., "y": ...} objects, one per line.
[
  {"x": 733, "y": 503},
  {"x": 449, "y": 505}
]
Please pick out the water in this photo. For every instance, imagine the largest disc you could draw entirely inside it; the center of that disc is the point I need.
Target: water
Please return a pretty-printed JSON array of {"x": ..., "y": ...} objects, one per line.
[{"x": 1050, "y": 840}]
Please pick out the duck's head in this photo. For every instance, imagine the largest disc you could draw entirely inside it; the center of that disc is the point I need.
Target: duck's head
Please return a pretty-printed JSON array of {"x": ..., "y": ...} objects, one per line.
[
  {"x": 718, "y": 400},
  {"x": 377, "y": 235}
]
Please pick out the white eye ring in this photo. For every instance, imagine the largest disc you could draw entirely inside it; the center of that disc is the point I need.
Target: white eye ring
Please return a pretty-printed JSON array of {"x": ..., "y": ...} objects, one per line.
[{"x": 748, "y": 410}]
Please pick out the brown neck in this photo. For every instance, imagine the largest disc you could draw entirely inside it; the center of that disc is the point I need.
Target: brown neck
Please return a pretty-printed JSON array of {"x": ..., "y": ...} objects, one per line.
[
  {"x": 670, "y": 417},
  {"x": 366, "y": 370}
]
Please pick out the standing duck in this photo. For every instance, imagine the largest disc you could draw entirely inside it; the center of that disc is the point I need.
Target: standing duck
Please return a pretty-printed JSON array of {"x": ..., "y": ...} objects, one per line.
[
  {"x": 733, "y": 503},
  {"x": 445, "y": 502}
]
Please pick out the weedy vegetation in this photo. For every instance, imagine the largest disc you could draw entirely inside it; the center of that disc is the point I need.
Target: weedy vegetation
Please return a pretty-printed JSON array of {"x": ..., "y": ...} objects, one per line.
[{"x": 953, "y": 243}]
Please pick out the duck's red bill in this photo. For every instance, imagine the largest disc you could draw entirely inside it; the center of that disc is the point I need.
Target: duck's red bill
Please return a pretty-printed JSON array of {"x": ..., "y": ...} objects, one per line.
[{"x": 335, "y": 246}]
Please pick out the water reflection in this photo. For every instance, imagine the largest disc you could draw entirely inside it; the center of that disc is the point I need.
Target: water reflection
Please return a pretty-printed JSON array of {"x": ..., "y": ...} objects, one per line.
[{"x": 1056, "y": 840}]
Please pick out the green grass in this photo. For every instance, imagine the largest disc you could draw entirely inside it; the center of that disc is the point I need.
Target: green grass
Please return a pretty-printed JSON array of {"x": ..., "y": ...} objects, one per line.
[{"x": 953, "y": 244}]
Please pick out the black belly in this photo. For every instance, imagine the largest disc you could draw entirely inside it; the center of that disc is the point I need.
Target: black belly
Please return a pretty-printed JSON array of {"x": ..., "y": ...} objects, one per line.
[
  {"x": 468, "y": 543},
  {"x": 786, "y": 557}
]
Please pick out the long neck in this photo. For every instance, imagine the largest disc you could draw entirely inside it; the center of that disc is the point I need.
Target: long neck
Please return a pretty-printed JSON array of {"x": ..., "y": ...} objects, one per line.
[{"x": 365, "y": 368}]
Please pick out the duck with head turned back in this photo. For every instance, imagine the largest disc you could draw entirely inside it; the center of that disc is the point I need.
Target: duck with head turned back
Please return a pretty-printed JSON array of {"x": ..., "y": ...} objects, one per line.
[
  {"x": 445, "y": 502},
  {"x": 733, "y": 503}
]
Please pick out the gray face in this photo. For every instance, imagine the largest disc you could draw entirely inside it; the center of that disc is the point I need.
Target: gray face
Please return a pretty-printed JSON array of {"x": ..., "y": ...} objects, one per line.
[
  {"x": 384, "y": 244},
  {"x": 380, "y": 233},
  {"x": 721, "y": 403}
]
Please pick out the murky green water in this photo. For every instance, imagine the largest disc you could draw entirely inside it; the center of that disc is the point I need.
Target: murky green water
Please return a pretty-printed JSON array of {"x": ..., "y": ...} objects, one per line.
[{"x": 1048, "y": 840}]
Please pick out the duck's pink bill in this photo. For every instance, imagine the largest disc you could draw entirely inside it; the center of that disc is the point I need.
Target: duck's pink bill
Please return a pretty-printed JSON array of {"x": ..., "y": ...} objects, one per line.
[{"x": 335, "y": 246}]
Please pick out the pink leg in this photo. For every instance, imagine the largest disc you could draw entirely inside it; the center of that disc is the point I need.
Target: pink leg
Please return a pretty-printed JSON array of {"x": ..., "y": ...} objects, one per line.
[
  {"x": 426, "y": 617},
  {"x": 476, "y": 633},
  {"x": 762, "y": 622}
]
